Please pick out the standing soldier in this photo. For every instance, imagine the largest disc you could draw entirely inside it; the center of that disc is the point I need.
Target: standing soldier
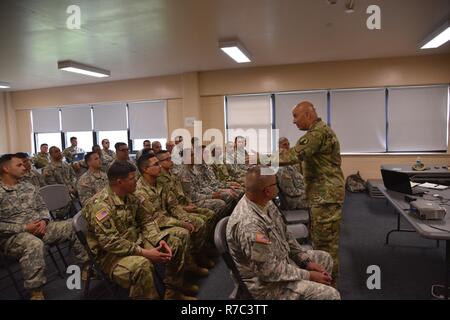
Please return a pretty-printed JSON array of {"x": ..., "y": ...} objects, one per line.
[
  {"x": 25, "y": 226},
  {"x": 92, "y": 181},
  {"x": 42, "y": 158},
  {"x": 114, "y": 235},
  {"x": 319, "y": 152}
]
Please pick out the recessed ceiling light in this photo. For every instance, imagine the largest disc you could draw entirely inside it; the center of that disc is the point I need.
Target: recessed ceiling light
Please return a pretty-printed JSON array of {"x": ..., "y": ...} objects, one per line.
[
  {"x": 235, "y": 50},
  {"x": 438, "y": 38},
  {"x": 4, "y": 85},
  {"x": 76, "y": 67}
]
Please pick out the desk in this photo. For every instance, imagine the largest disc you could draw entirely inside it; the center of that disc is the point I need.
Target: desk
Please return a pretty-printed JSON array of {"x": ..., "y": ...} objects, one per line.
[
  {"x": 439, "y": 175},
  {"x": 430, "y": 229}
]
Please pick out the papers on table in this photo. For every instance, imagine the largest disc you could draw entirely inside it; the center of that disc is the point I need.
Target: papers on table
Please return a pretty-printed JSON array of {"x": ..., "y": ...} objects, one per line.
[{"x": 432, "y": 186}]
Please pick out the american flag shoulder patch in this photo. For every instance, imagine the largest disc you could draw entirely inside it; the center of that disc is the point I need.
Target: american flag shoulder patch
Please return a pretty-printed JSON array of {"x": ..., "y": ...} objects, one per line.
[
  {"x": 102, "y": 214},
  {"x": 261, "y": 238}
]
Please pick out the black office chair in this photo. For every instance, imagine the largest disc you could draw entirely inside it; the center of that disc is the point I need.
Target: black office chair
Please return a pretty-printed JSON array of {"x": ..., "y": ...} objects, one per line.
[{"x": 220, "y": 240}]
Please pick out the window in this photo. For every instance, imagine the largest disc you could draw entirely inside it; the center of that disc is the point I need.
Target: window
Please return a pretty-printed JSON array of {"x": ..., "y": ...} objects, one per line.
[
  {"x": 138, "y": 144},
  {"x": 358, "y": 117},
  {"x": 52, "y": 139},
  {"x": 113, "y": 137},
  {"x": 84, "y": 139},
  {"x": 147, "y": 119},
  {"x": 250, "y": 116}
]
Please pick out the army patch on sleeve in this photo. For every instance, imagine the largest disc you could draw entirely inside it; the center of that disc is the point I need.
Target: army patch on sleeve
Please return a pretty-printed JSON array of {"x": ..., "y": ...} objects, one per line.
[
  {"x": 102, "y": 214},
  {"x": 304, "y": 141},
  {"x": 261, "y": 238}
]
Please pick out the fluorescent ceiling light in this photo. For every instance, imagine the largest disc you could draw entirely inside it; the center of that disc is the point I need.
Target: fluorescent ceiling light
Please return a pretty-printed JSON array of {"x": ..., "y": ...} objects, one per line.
[
  {"x": 4, "y": 85},
  {"x": 236, "y": 51},
  {"x": 72, "y": 66},
  {"x": 438, "y": 38}
]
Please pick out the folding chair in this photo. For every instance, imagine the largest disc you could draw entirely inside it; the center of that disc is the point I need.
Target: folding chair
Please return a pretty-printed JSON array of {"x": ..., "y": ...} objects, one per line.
[
  {"x": 56, "y": 197},
  {"x": 220, "y": 240},
  {"x": 80, "y": 226}
]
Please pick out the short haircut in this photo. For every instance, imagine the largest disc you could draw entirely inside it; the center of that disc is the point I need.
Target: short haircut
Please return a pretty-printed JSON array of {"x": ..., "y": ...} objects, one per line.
[
  {"x": 5, "y": 159},
  {"x": 142, "y": 162},
  {"x": 146, "y": 141},
  {"x": 255, "y": 182},
  {"x": 73, "y": 138},
  {"x": 119, "y": 144},
  {"x": 96, "y": 146},
  {"x": 21, "y": 155},
  {"x": 52, "y": 148},
  {"x": 44, "y": 144},
  {"x": 120, "y": 170},
  {"x": 88, "y": 156},
  {"x": 104, "y": 140}
]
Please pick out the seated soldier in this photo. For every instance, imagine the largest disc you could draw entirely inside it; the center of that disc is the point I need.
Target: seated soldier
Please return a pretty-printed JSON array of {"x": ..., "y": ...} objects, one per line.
[
  {"x": 114, "y": 235},
  {"x": 107, "y": 154},
  {"x": 149, "y": 189},
  {"x": 31, "y": 175},
  {"x": 92, "y": 181},
  {"x": 272, "y": 263},
  {"x": 292, "y": 188},
  {"x": 25, "y": 226},
  {"x": 42, "y": 158},
  {"x": 58, "y": 172}
]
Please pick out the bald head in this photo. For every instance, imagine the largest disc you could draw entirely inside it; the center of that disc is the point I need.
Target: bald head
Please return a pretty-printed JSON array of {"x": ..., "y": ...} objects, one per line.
[
  {"x": 304, "y": 115},
  {"x": 260, "y": 188}
]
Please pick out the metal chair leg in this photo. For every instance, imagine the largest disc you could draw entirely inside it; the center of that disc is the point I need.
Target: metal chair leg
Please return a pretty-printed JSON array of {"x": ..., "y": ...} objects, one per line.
[{"x": 50, "y": 253}]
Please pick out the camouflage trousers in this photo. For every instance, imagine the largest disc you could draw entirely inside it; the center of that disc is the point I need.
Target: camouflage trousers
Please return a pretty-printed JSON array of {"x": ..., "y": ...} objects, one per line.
[
  {"x": 210, "y": 220},
  {"x": 29, "y": 249},
  {"x": 301, "y": 289},
  {"x": 178, "y": 240},
  {"x": 135, "y": 274},
  {"x": 325, "y": 229},
  {"x": 199, "y": 237},
  {"x": 217, "y": 205}
]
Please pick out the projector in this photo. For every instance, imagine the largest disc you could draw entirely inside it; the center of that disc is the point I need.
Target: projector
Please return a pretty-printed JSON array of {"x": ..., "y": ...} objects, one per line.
[{"x": 427, "y": 210}]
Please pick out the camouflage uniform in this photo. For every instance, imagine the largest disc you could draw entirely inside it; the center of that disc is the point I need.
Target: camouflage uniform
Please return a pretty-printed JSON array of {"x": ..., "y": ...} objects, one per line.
[
  {"x": 34, "y": 177},
  {"x": 91, "y": 183},
  {"x": 115, "y": 240},
  {"x": 191, "y": 182},
  {"x": 157, "y": 225},
  {"x": 290, "y": 183},
  {"x": 22, "y": 204},
  {"x": 319, "y": 153},
  {"x": 70, "y": 152},
  {"x": 174, "y": 193},
  {"x": 40, "y": 160},
  {"x": 108, "y": 157},
  {"x": 210, "y": 180},
  {"x": 269, "y": 259},
  {"x": 61, "y": 173}
]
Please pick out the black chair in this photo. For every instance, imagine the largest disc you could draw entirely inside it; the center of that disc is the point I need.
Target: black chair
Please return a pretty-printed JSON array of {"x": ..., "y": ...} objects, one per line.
[
  {"x": 220, "y": 240},
  {"x": 6, "y": 263},
  {"x": 80, "y": 226}
]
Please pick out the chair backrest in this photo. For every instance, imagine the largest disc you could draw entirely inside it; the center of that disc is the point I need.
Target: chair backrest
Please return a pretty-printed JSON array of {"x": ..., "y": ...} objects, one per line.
[
  {"x": 55, "y": 196},
  {"x": 79, "y": 223},
  {"x": 220, "y": 240}
]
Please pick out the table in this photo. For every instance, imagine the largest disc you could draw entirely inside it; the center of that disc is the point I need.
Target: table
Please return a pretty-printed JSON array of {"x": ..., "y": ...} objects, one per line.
[{"x": 430, "y": 229}]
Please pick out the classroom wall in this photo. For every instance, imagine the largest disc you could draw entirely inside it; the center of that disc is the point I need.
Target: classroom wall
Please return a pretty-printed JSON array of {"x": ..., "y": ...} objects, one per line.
[
  {"x": 3, "y": 129},
  {"x": 201, "y": 94}
]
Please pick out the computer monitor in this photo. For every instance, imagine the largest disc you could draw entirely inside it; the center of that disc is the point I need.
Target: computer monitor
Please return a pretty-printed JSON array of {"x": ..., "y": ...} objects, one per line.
[{"x": 397, "y": 181}]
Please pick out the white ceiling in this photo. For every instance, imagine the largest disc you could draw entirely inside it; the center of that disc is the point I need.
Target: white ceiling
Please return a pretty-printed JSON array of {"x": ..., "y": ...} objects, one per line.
[{"x": 140, "y": 38}]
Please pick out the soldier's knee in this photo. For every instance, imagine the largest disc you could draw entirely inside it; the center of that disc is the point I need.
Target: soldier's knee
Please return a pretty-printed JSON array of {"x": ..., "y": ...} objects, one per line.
[
  {"x": 34, "y": 244},
  {"x": 141, "y": 264},
  {"x": 332, "y": 294}
]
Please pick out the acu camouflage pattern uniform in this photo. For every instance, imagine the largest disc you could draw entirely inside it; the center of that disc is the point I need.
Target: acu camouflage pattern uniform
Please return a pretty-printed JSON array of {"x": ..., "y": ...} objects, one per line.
[
  {"x": 319, "y": 152},
  {"x": 115, "y": 240},
  {"x": 269, "y": 259},
  {"x": 33, "y": 177},
  {"x": 292, "y": 188},
  {"x": 61, "y": 173},
  {"x": 157, "y": 225},
  {"x": 40, "y": 160},
  {"x": 91, "y": 183},
  {"x": 210, "y": 180},
  {"x": 108, "y": 158},
  {"x": 195, "y": 192},
  {"x": 20, "y": 205},
  {"x": 70, "y": 152}
]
